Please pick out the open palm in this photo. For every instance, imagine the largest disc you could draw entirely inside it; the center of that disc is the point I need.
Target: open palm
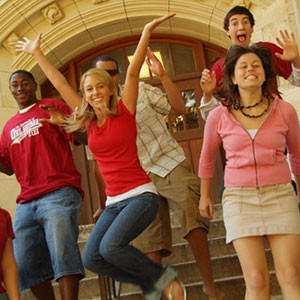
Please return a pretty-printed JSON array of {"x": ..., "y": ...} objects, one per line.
[{"x": 28, "y": 46}]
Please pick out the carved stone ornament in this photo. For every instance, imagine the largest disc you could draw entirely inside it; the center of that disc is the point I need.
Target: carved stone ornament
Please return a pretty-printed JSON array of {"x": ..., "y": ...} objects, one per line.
[
  {"x": 98, "y": 1},
  {"x": 9, "y": 43},
  {"x": 52, "y": 13}
]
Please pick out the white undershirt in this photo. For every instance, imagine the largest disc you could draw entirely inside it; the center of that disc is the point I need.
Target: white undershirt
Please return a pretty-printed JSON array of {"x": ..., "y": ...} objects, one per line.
[
  {"x": 252, "y": 133},
  {"x": 147, "y": 187}
]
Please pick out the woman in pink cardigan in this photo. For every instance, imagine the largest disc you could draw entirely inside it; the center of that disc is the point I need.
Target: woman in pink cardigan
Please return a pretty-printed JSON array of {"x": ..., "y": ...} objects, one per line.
[{"x": 255, "y": 127}]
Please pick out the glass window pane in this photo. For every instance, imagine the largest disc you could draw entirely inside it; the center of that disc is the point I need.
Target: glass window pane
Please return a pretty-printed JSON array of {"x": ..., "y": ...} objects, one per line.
[
  {"x": 211, "y": 56},
  {"x": 183, "y": 59},
  {"x": 86, "y": 66},
  {"x": 190, "y": 119},
  {"x": 191, "y": 114},
  {"x": 163, "y": 49},
  {"x": 144, "y": 73},
  {"x": 177, "y": 123}
]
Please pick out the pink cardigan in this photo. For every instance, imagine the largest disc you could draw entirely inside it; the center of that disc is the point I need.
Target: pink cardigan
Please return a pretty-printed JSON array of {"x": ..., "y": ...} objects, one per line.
[{"x": 256, "y": 162}]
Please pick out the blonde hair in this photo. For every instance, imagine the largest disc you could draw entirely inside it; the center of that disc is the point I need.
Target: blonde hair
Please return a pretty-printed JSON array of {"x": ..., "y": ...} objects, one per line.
[{"x": 85, "y": 115}]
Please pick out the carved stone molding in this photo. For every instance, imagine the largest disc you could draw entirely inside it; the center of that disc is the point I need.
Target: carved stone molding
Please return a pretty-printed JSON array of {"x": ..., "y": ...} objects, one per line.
[
  {"x": 52, "y": 13},
  {"x": 231, "y": 3},
  {"x": 98, "y": 1},
  {"x": 247, "y": 4},
  {"x": 9, "y": 43}
]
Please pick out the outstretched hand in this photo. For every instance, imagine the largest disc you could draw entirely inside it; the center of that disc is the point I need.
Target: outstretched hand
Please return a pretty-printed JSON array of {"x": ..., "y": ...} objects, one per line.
[
  {"x": 156, "y": 22},
  {"x": 56, "y": 116},
  {"x": 29, "y": 46},
  {"x": 288, "y": 45}
]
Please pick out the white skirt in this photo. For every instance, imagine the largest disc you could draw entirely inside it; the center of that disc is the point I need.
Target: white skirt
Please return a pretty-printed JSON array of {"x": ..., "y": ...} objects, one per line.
[{"x": 251, "y": 211}]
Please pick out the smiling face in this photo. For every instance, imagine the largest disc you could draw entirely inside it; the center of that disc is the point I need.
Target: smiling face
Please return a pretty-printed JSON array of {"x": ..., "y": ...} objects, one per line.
[
  {"x": 97, "y": 91},
  {"x": 240, "y": 30},
  {"x": 249, "y": 72},
  {"x": 23, "y": 89}
]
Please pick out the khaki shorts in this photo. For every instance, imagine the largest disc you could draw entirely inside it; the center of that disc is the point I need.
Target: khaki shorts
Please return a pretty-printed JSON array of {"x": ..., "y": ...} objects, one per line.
[
  {"x": 89, "y": 154},
  {"x": 181, "y": 189}
]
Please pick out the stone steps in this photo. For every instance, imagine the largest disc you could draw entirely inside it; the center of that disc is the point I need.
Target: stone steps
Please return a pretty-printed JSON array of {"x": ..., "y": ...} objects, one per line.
[{"x": 226, "y": 268}]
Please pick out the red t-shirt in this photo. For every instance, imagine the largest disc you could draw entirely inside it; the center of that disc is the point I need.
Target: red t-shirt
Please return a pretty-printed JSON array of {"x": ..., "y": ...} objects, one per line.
[
  {"x": 39, "y": 154},
  {"x": 6, "y": 231},
  {"x": 282, "y": 68},
  {"x": 114, "y": 147}
]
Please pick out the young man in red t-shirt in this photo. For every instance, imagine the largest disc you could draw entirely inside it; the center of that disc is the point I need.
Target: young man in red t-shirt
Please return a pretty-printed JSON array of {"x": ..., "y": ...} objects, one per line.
[
  {"x": 238, "y": 24},
  {"x": 49, "y": 203}
]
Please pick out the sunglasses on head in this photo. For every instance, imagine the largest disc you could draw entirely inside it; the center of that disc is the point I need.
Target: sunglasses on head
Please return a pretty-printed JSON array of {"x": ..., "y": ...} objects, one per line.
[{"x": 112, "y": 72}]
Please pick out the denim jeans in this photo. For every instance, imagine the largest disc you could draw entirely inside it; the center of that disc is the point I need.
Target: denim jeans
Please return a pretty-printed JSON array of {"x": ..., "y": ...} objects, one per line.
[
  {"x": 108, "y": 250},
  {"x": 46, "y": 231}
]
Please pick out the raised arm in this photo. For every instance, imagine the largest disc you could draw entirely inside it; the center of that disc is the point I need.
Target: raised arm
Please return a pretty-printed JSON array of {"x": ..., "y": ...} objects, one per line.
[
  {"x": 208, "y": 83},
  {"x": 208, "y": 102},
  {"x": 56, "y": 78},
  {"x": 174, "y": 97},
  {"x": 289, "y": 47},
  {"x": 130, "y": 93}
]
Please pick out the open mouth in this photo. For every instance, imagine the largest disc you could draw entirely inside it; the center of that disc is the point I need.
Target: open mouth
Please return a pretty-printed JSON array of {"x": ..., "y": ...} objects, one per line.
[{"x": 241, "y": 38}]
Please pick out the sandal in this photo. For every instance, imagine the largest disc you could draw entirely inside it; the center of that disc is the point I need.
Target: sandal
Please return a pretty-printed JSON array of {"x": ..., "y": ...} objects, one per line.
[
  {"x": 220, "y": 297},
  {"x": 170, "y": 295}
]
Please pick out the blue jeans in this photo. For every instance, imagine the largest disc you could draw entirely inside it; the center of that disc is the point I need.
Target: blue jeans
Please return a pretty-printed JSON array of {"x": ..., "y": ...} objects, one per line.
[
  {"x": 108, "y": 250},
  {"x": 46, "y": 231}
]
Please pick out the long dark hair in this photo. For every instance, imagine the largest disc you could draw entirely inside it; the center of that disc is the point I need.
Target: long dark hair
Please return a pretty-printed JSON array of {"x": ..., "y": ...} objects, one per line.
[{"x": 228, "y": 92}]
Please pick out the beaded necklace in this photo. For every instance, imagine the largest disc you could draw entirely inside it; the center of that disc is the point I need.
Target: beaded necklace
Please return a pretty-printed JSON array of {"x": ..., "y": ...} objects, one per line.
[
  {"x": 241, "y": 108},
  {"x": 251, "y": 106}
]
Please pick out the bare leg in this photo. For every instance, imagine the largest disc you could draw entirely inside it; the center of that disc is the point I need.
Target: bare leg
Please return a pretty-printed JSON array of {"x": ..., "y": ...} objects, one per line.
[
  {"x": 252, "y": 257},
  {"x": 69, "y": 287},
  {"x": 197, "y": 239},
  {"x": 43, "y": 291},
  {"x": 285, "y": 250}
]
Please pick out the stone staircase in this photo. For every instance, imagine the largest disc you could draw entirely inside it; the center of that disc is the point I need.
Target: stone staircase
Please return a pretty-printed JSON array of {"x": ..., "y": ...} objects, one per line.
[{"x": 226, "y": 268}]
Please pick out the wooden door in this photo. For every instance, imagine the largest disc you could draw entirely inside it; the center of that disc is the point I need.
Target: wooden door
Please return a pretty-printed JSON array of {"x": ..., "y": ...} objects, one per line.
[{"x": 188, "y": 130}]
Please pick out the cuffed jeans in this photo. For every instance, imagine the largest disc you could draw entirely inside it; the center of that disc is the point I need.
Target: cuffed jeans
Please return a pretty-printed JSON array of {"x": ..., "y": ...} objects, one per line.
[{"x": 108, "y": 250}]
